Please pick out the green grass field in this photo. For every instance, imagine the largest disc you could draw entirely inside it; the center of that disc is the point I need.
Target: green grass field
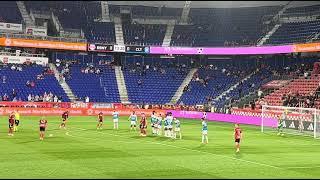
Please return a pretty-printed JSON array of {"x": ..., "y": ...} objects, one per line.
[{"x": 89, "y": 153}]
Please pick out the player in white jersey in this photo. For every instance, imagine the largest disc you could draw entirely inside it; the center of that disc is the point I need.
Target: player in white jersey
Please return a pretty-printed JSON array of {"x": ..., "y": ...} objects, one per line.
[
  {"x": 115, "y": 117},
  {"x": 170, "y": 125},
  {"x": 177, "y": 128},
  {"x": 153, "y": 122},
  {"x": 159, "y": 125},
  {"x": 133, "y": 121},
  {"x": 204, "y": 131}
]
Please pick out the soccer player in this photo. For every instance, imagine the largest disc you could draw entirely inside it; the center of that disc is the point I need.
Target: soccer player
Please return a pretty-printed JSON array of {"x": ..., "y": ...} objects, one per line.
[
  {"x": 170, "y": 124},
  {"x": 143, "y": 125},
  {"x": 237, "y": 136},
  {"x": 166, "y": 124},
  {"x": 65, "y": 117},
  {"x": 42, "y": 124},
  {"x": 159, "y": 125},
  {"x": 204, "y": 115},
  {"x": 177, "y": 128},
  {"x": 204, "y": 131},
  {"x": 100, "y": 120},
  {"x": 281, "y": 121},
  {"x": 17, "y": 120},
  {"x": 115, "y": 117},
  {"x": 153, "y": 122},
  {"x": 133, "y": 121},
  {"x": 11, "y": 123}
]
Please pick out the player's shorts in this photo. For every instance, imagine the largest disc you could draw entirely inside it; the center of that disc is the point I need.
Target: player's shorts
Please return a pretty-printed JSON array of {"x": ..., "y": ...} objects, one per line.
[
  {"x": 237, "y": 140},
  {"x": 64, "y": 120},
  {"x": 133, "y": 123},
  {"x": 155, "y": 125},
  {"x": 204, "y": 132},
  {"x": 100, "y": 121},
  {"x": 159, "y": 126},
  {"x": 115, "y": 120},
  {"x": 11, "y": 126},
  {"x": 42, "y": 129},
  {"x": 17, "y": 122},
  {"x": 166, "y": 128},
  {"x": 177, "y": 129},
  {"x": 152, "y": 125}
]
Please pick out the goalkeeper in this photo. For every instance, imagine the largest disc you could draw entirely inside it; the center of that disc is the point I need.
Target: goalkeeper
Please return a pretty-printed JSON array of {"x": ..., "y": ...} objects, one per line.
[{"x": 281, "y": 122}]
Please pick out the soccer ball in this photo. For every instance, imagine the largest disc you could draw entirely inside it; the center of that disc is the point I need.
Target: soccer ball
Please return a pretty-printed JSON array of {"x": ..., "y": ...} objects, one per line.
[{"x": 50, "y": 135}]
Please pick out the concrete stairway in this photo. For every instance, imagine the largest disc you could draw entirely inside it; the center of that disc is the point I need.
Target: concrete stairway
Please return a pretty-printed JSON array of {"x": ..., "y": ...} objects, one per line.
[
  {"x": 63, "y": 84},
  {"x": 118, "y": 31},
  {"x": 24, "y": 13},
  {"x": 121, "y": 85},
  {"x": 268, "y": 35},
  {"x": 167, "y": 37},
  {"x": 185, "y": 82},
  {"x": 232, "y": 87}
]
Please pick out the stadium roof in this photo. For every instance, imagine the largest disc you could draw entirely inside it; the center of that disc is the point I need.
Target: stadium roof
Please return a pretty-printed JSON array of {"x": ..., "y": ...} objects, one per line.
[{"x": 215, "y": 4}]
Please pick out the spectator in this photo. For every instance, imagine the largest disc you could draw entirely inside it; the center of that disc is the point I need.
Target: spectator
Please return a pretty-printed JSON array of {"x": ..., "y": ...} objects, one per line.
[
  {"x": 55, "y": 99},
  {"x": 13, "y": 67},
  {"x": 29, "y": 97},
  {"x": 5, "y": 97},
  {"x": 36, "y": 98},
  {"x": 14, "y": 93},
  {"x": 259, "y": 93},
  {"x": 87, "y": 99},
  {"x": 139, "y": 82},
  {"x": 19, "y": 68},
  {"x": 4, "y": 79},
  {"x": 32, "y": 84}
]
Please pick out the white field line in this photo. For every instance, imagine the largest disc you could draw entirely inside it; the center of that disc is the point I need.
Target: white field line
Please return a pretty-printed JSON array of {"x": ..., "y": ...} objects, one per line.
[
  {"x": 247, "y": 161},
  {"x": 302, "y": 167}
]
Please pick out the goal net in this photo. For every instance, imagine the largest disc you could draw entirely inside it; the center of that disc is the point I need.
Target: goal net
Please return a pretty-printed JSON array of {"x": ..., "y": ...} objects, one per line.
[{"x": 290, "y": 120}]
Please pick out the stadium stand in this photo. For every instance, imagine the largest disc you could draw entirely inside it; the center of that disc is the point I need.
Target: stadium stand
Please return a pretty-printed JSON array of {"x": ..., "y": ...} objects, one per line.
[
  {"x": 84, "y": 79},
  {"x": 295, "y": 32},
  {"x": 216, "y": 27},
  {"x": 209, "y": 83},
  {"x": 9, "y": 12},
  {"x": 18, "y": 80},
  {"x": 159, "y": 82},
  {"x": 143, "y": 34}
]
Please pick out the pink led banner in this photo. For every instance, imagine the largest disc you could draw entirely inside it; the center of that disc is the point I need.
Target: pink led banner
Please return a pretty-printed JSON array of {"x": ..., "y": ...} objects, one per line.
[{"x": 223, "y": 50}]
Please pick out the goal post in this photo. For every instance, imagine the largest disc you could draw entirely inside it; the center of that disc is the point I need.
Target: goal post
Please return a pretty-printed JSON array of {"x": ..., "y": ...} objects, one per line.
[{"x": 290, "y": 120}]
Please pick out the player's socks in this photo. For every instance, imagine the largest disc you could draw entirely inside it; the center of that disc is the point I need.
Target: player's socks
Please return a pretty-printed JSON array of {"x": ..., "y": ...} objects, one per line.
[{"x": 202, "y": 138}]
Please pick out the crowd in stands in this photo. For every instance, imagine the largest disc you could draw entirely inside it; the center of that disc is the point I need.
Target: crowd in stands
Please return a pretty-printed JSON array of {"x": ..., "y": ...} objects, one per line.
[
  {"x": 46, "y": 97},
  {"x": 298, "y": 100}
]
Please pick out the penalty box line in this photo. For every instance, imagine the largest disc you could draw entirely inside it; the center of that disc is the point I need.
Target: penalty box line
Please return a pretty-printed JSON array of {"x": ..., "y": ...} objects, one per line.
[{"x": 178, "y": 147}]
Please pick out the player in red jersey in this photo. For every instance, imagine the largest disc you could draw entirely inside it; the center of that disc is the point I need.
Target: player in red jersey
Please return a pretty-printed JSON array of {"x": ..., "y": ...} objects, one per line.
[
  {"x": 42, "y": 124},
  {"x": 237, "y": 136},
  {"x": 100, "y": 120},
  {"x": 11, "y": 123},
  {"x": 65, "y": 117},
  {"x": 143, "y": 125}
]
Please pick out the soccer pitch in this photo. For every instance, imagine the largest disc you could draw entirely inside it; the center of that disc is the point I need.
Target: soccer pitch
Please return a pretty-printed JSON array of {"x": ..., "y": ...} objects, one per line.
[{"x": 81, "y": 151}]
